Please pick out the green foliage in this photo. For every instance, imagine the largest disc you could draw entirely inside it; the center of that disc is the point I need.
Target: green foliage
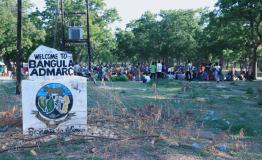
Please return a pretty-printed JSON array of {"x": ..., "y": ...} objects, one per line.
[
  {"x": 102, "y": 39},
  {"x": 31, "y": 35},
  {"x": 7, "y": 156},
  {"x": 125, "y": 47},
  {"x": 39, "y": 27},
  {"x": 7, "y": 29},
  {"x": 148, "y": 38},
  {"x": 219, "y": 124},
  {"x": 249, "y": 91},
  {"x": 235, "y": 129},
  {"x": 246, "y": 13},
  {"x": 222, "y": 39},
  {"x": 94, "y": 158},
  {"x": 231, "y": 33},
  {"x": 233, "y": 83},
  {"x": 120, "y": 78},
  {"x": 259, "y": 102},
  {"x": 179, "y": 34}
]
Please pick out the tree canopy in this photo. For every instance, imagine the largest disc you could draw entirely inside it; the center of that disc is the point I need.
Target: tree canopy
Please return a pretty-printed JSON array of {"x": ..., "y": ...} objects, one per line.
[
  {"x": 231, "y": 33},
  {"x": 32, "y": 36}
]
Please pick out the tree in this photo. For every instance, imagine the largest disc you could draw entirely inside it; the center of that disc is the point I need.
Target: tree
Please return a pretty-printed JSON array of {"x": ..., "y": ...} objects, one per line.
[
  {"x": 145, "y": 31},
  {"x": 178, "y": 31},
  {"x": 220, "y": 37},
  {"x": 165, "y": 36},
  {"x": 125, "y": 50},
  {"x": 7, "y": 31},
  {"x": 31, "y": 35},
  {"x": 250, "y": 13},
  {"x": 102, "y": 39}
]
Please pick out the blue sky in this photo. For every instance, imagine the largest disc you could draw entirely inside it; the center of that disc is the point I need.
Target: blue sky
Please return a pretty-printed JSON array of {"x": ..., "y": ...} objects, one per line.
[{"x": 133, "y": 9}]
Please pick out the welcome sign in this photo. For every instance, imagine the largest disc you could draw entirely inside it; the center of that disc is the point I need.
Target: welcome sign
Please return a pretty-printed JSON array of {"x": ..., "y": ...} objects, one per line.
[
  {"x": 53, "y": 99},
  {"x": 48, "y": 63}
]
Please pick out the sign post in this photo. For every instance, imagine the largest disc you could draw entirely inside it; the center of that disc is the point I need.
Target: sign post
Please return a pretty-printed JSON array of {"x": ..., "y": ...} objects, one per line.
[
  {"x": 18, "y": 47},
  {"x": 53, "y": 99}
]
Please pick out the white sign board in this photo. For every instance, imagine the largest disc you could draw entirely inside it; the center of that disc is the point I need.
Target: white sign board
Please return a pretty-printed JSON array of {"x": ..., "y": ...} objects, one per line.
[
  {"x": 52, "y": 103},
  {"x": 47, "y": 63}
]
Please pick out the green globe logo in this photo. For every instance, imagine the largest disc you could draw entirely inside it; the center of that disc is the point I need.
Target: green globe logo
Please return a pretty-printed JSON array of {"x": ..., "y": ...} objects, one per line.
[{"x": 54, "y": 101}]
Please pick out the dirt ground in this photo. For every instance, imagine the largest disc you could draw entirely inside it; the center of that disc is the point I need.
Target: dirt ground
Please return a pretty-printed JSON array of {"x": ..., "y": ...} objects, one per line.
[{"x": 164, "y": 120}]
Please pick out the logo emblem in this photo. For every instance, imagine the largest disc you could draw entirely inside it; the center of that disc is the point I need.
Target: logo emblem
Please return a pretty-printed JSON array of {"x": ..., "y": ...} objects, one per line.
[{"x": 54, "y": 101}]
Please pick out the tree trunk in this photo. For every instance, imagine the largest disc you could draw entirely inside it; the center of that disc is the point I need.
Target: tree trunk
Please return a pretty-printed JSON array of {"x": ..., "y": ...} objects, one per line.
[
  {"x": 241, "y": 64},
  {"x": 222, "y": 60},
  {"x": 254, "y": 64}
]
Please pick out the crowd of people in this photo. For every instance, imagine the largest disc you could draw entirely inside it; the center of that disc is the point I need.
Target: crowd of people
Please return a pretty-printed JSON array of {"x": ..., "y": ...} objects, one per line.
[
  {"x": 5, "y": 72},
  {"x": 158, "y": 70},
  {"x": 151, "y": 72}
]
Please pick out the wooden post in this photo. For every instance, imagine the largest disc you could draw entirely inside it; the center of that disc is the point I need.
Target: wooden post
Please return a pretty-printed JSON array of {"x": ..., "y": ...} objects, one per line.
[
  {"x": 56, "y": 23},
  {"x": 63, "y": 25},
  {"x": 18, "y": 47},
  {"x": 88, "y": 35}
]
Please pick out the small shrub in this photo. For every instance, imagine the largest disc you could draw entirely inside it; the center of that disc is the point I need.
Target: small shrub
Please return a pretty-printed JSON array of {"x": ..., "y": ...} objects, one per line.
[
  {"x": 120, "y": 78},
  {"x": 122, "y": 92},
  {"x": 259, "y": 93},
  {"x": 235, "y": 129},
  {"x": 243, "y": 114},
  {"x": 249, "y": 91},
  {"x": 233, "y": 83},
  {"x": 259, "y": 102},
  {"x": 218, "y": 124}
]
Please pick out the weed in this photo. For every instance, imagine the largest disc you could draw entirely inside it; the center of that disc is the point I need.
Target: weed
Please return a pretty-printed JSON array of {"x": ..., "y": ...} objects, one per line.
[
  {"x": 7, "y": 156},
  {"x": 120, "y": 78},
  {"x": 233, "y": 83},
  {"x": 249, "y": 91},
  {"x": 259, "y": 102},
  {"x": 237, "y": 128},
  {"x": 122, "y": 92}
]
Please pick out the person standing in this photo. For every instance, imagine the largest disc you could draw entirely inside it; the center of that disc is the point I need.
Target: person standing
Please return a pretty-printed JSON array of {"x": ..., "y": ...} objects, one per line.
[
  {"x": 159, "y": 69},
  {"x": 217, "y": 72},
  {"x": 137, "y": 73},
  {"x": 76, "y": 69},
  {"x": 153, "y": 70},
  {"x": 164, "y": 70},
  {"x": 189, "y": 71},
  {"x": 5, "y": 71}
]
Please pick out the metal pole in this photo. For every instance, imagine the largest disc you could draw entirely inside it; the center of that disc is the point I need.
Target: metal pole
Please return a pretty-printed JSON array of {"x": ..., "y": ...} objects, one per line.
[
  {"x": 88, "y": 35},
  {"x": 56, "y": 21},
  {"x": 18, "y": 47},
  {"x": 63, "y": 25}
]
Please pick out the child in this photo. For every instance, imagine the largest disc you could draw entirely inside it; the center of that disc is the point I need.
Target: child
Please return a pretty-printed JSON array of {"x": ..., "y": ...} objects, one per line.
[{"x": 146, "y": 78}]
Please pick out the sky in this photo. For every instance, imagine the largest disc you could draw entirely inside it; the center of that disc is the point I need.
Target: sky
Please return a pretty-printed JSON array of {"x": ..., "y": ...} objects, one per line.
[{"x": 133, "y": 9}]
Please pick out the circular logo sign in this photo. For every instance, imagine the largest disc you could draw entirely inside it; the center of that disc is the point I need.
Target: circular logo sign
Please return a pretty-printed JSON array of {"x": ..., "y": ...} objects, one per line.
[{"x": 54, "y": 101}]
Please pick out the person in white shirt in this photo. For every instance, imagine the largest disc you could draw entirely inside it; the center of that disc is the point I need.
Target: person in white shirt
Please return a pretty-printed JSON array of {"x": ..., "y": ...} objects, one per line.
[
  {"x": 76, "y": 69},
  {"x": 147, "y": 77},
  {"x": 159, "y": 69},
  {"x": 189, "y": 71},
  {"x": 217, "y": 72}
]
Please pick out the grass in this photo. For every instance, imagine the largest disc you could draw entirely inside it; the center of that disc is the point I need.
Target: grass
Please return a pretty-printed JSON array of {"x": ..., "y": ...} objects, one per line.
[
  {"x": 8, "y": 98},
  {"x": 228, "y": 101},
  {"x": 218, "y": 107}
]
